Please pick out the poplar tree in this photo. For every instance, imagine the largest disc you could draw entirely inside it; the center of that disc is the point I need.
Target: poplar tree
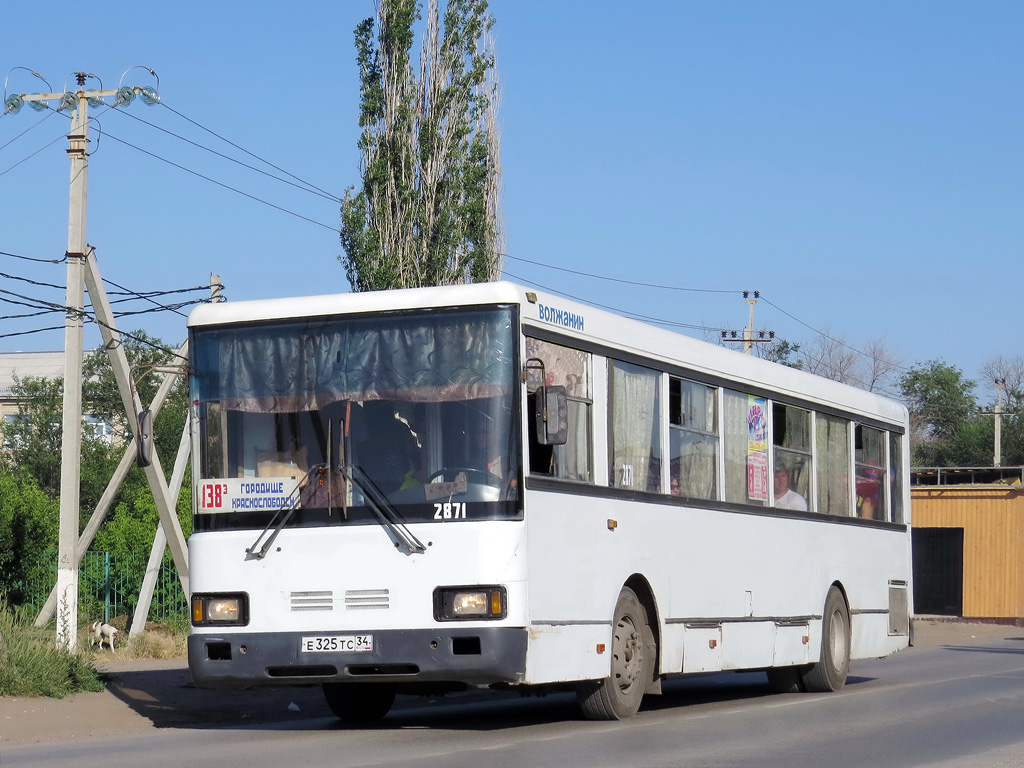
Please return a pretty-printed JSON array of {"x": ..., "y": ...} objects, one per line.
[{"x": 427, "y": 212}]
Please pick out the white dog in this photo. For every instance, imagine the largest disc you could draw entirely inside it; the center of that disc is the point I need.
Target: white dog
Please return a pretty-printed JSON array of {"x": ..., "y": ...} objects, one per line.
[{"x": 103, "y": 633}]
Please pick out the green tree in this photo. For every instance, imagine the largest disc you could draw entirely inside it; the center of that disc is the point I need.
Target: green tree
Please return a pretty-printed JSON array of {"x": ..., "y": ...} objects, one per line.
[
  {"x": 945, "y": 427},
  {"x": 34, "y": 439},
  {"x": 34, "y": 435},
  {"x": 28, "y": 525},
  {"x": 147, "y": 356},
  {"x": 34, "y": 462},
  {"x": 428, "y": 211},
  {"x": 782, "y": 352}
]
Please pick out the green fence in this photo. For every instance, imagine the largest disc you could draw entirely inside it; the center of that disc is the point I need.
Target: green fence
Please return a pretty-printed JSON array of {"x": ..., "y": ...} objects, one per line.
[{"x": 108, "y": 586}]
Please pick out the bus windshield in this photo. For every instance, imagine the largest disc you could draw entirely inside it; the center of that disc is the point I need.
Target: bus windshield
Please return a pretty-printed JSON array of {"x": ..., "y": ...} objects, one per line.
[{"x": 329, "y": 413}]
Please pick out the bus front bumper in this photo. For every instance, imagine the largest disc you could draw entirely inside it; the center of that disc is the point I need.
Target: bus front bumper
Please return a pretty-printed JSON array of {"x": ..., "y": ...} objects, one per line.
[{"x": 473, "y": 656}]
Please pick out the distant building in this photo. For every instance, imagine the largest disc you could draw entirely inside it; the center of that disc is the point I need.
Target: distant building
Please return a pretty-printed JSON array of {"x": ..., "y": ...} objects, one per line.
[
  {"x": 968, "y": 539},
  {"x": 42, "y": 365}
]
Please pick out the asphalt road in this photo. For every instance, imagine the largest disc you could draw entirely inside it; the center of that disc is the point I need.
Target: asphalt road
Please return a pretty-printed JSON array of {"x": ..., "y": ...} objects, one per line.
[{"x": 955, "y": 700}]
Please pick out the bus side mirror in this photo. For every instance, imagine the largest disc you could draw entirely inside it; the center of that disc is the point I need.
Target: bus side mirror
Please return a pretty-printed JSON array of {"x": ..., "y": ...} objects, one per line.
[
  {"x": 551, "y": 415},
  {"x": 144, "y": 440}
]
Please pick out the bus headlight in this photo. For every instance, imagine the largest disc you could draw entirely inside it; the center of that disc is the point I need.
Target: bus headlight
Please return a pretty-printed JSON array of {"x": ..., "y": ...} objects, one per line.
[
  {"x": 470, "y": 603},
  {"x": 220, "y": 609}
]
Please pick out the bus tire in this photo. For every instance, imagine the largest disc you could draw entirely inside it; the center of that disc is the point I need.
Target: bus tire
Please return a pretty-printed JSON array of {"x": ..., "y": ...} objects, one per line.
[
  {"x": 829, "y": 674},
  {"x": 786, "y": 679},
  {"x": 360, "y": 702},
  {"x": 618, "y": 696}
]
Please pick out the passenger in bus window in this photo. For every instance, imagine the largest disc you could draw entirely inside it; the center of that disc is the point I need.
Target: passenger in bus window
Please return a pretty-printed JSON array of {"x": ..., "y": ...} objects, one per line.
[{"x": 786, "y": 498}]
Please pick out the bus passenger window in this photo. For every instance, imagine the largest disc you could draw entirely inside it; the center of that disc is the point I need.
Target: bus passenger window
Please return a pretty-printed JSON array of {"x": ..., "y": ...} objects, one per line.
[
  {"x": 693, "y": 439},
  {"x": 896, "y": 477},
  {"x": 833, "y": 462},
  {"x": 870, "y": 459},
  {"x": 791, "y": 440},
  {"x": 570, "y": 368},
  {"x": 746, "y": 448},
  {"x": 634, "y": 427}
]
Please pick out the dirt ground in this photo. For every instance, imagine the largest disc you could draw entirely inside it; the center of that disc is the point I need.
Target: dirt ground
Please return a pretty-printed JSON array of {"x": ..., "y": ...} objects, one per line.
[{"x": 145, "y": 694}]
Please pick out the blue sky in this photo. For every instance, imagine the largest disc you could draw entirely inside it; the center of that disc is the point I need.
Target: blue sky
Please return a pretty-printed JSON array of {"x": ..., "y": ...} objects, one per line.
[{"x": 859, "y": 164}]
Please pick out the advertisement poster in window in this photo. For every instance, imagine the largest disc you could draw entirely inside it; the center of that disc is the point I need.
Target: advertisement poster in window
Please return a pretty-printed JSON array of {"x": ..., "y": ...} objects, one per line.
[{"x": 757, "y": 449}]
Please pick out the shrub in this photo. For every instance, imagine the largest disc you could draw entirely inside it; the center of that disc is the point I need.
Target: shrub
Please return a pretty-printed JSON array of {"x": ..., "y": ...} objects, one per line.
[{"x": 32, "y": 665}]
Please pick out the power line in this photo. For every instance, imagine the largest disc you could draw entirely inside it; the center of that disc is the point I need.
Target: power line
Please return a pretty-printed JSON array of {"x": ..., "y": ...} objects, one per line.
[
  {"x": 33, "y": 282},
  {"x": 222, "y": 184},
  {"x": 34, "y": 125},
  {"x": 30, "y": 258},
  {"x": 625, "y": 312},
  {"x": 243, "y": 149},
  {"x": 840, "y": 342},
  {"x": 34, "y": 303},
  {"x": 303, "y": 186},
  {"x": 26, "y": 159},
  {"x": 618, "y": 279},
  {"x": 26, "y": 333},
  {"x": 149, "y": 297},
  {"x": 163, "y": 308},
  {"x": 694, "y": 290},
  {"x": 849, "y": 377},
  {"x": 24, "y": 315}
]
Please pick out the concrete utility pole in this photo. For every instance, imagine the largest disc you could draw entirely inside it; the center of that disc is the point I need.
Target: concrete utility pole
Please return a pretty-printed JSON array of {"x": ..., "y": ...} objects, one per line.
[
  {"x": 77, "y": 102},
  {"x": 748, "y": 333},
  {"x": 997, "y": 452},
  {"x": 71, "y": 434},
  {"x": 997, "y": 458}
]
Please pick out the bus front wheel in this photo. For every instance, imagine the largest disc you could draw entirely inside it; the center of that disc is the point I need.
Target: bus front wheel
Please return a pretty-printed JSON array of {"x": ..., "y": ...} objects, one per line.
[
  {"x": 618, "y": 696},
  {"x": 829, "y": 674},
  {"x": 359, "y": 702}
]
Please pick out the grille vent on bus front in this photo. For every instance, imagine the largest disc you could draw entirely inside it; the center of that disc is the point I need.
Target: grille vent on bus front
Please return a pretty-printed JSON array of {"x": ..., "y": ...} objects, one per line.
[
  {"x": 313, "y": 601},
  {"x": 366, "y": 599}
]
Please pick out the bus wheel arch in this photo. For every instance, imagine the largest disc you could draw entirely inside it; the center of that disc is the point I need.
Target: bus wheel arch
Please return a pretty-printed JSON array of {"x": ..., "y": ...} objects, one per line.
[
  {"x": 652, "y": 637},
  {"x": 632, "y": 664},
  {"x": 830, "y": 671}
]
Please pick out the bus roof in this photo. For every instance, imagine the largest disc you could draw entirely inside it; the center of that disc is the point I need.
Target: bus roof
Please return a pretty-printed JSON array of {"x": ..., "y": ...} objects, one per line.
[{"x": 592, "y": 326}]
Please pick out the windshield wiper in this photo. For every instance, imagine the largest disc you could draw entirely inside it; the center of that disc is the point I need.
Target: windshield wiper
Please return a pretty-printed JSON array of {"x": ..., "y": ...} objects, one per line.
[
  {"x": 284, "y": 512},
  {"x": 384, "y": 511}
]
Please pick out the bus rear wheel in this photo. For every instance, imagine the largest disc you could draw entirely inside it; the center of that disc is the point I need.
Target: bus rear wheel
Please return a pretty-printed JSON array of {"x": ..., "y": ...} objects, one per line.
[
  {"x": 829, "y": 674},
  {"x": 361, "y": 703},
  {"x": 618, "y": 696}
]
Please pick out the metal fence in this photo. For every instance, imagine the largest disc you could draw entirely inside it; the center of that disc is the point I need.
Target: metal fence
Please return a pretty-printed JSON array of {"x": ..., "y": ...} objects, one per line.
[{"x": 108, "y": 586}]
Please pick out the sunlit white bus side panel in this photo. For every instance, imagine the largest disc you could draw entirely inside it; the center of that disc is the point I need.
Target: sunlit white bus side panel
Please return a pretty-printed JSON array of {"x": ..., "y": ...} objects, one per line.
[{"x": 748, "y": 577}]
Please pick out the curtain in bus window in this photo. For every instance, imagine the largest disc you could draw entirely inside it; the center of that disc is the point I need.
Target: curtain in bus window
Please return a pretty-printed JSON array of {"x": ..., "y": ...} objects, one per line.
[
  {"x": 896, "y": 477},
  {"x": 298, "y": 366},
  {"x": 635, "y": 422},
  {"x": 572, "y": 460},
  {"x": 694, "y": 464},
  {"x": 833, "y": 447}
]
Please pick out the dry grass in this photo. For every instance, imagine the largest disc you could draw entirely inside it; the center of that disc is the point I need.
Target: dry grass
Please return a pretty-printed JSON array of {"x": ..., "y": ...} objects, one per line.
[
  {"x": 157, "y": 641},
  {"x": 154, "y": 645}
]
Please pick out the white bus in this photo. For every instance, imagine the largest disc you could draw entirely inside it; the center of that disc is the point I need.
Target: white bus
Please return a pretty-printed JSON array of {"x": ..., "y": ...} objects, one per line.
[{"x": 482, "y": 485}]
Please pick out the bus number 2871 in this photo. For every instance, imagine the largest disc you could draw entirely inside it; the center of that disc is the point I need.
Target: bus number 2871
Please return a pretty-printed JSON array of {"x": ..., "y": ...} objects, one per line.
[{"x": 450, "y": 510}]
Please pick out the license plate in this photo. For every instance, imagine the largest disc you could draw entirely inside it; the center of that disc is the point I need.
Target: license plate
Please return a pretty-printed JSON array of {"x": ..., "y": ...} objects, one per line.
[{"x": 331, "y": 643}]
